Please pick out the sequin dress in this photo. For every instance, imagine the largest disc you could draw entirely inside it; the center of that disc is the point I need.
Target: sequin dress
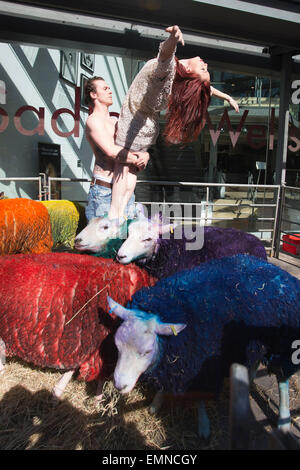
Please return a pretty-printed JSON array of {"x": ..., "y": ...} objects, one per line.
[{"x": 148, "y": 94}]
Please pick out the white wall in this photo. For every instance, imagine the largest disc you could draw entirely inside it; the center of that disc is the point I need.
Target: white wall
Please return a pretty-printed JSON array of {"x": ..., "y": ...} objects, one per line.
[{"x": 30, "y": 76}]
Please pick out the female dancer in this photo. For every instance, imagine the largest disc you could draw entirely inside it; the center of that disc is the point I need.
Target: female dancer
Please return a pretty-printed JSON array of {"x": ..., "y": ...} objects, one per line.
[{"x": 180, "y": 86}]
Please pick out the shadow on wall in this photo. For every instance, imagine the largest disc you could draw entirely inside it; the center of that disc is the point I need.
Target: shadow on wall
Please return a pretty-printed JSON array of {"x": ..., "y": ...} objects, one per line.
[{"x": 19, "y": 153}]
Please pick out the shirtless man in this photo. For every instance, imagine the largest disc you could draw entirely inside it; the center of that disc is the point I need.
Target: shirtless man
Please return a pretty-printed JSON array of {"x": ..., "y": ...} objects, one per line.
[{"x": 100, "y": 132}]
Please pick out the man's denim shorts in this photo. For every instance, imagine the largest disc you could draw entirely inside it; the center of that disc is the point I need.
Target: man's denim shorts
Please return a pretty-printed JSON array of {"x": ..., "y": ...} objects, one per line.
[{"x": 99, "y": 199}]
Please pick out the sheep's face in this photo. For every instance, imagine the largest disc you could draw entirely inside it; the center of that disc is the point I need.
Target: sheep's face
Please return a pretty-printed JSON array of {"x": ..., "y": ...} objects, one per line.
[
  {"x": 96, "y": 235},
  {"x": 142, "y": 240},
  {"x": 137, "y": 347},
  {"x": 137, "y": 343}
]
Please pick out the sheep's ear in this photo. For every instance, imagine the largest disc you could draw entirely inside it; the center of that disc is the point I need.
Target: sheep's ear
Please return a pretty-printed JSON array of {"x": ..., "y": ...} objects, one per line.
[
  {"x": 169, "y": 328},
  {"x": 116, "y": 308},
  {"x": 161, "y": 225},
  {"x": 166, "y": 228},
  {"x": 156, "y": 218}
]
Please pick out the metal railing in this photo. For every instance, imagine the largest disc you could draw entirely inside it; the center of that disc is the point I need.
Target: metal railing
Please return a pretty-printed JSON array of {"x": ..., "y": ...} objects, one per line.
[
  {"x": 40, "y": 179},
  {"x": 283, "y": 209},
  {"x": 288, "y": 224},
  {"x": 207, "y": 208},
  {"x": 64, "y": 180}
]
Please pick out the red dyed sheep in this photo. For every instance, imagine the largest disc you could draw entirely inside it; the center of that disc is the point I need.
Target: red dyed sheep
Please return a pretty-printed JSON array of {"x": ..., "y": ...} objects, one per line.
[
  {"x": 25, "y": 227},
  {"x": 47, "y": 317}
]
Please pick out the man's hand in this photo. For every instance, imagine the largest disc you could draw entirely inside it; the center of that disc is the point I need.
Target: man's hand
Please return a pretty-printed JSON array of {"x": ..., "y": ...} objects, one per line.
[
  {"x": 175, "y": 33},
  {"x": 142, "y": 160}
]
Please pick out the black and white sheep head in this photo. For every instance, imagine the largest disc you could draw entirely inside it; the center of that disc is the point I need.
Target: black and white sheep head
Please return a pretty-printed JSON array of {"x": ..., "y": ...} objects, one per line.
[
  {"x": 137, "y": 343},
  {"x": 142, "y": 240},
  {"x": 95, "y": 236}
]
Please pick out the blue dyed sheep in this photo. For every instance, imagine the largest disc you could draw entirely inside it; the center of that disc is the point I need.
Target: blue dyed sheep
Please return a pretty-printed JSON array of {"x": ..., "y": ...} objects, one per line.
[
  {"x": 239, "y": 309},
  {"x": 147, "y": 245}
]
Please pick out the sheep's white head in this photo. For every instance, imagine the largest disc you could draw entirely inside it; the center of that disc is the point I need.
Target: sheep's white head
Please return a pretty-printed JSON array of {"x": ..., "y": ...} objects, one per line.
[
  {"x": 137, "y": 343},
  {"x": 143, "y": 235},
  {"x": 95, "y": 236}
]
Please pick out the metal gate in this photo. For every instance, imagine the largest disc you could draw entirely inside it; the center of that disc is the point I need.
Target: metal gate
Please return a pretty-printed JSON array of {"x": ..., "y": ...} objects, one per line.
[
  {"x": 271, "y": 212},
  {"x": 252, "y": 208}
]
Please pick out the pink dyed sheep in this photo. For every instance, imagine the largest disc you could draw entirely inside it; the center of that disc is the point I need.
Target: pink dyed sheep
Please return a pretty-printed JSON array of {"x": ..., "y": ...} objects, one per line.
[{"x": 47, "y": 317}]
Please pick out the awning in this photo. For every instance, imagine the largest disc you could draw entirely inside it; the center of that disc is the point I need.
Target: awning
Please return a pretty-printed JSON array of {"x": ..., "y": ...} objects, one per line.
[{"x": 242, "y": 34}]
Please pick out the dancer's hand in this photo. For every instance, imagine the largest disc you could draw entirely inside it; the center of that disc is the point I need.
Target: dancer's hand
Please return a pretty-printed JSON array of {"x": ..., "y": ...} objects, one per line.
[
  {"x": 224, "y": 96},
  {"x": 175, "y": 33},
  {"x": 234, "y": 104}
]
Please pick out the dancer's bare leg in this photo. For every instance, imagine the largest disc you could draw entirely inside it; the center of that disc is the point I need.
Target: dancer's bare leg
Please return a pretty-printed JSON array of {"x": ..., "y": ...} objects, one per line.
[{"x": 124, "y": 182}]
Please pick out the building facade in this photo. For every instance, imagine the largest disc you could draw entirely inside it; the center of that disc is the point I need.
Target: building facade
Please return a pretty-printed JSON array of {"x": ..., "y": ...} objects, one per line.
[{"x": 42, "y": 113}]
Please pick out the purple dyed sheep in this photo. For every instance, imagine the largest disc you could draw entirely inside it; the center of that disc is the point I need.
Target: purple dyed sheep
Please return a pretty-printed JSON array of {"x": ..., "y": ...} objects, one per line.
[
  {"x": 183, "y": 334},
  {"x": 147, "y": 245}
]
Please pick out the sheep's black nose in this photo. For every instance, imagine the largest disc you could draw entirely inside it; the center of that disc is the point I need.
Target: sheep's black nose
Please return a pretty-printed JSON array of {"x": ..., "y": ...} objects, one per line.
[
  {"x": 120, "y": 257},
  {"x": 78, "y": 240}
]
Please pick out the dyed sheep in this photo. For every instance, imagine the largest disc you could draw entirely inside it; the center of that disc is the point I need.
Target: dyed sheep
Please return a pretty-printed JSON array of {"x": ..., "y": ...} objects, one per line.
[
  {"x": 66, "y": 219},
  {"x": 46, "y": 318},
  {"x": 24, "y": 227},
  {"x": 163, "y": 257},
  {"x": 240, "y": 309},
  {"x": 102, "y": 237}
]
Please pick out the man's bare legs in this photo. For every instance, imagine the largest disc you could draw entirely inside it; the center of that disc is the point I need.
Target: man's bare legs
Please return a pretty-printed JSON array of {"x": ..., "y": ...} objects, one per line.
[{"x": 124, "y": 182}]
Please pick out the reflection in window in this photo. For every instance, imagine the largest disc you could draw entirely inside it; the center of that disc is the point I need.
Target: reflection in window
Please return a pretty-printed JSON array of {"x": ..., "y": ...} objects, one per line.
[{"x": 2, "y": 92}]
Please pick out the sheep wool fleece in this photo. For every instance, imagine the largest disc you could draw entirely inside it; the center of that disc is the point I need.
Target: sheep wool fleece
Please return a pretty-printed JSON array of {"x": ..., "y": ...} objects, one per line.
[
  {"x": 237, "y": 309},
  {"x": 172, "y": 256},
  {"x": 67, "y": 217},
  {"x": 25, "y": 227},
  {"x": 43, "y": 319}
]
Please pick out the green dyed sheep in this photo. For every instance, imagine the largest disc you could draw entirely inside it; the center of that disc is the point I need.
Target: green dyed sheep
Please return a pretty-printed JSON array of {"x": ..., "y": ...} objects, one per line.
[{"x": 66, "y": 218}]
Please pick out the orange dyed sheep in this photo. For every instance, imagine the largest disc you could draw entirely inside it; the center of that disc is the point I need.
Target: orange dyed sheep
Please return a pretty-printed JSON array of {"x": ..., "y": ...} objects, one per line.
[{"x": 24, "y": 227}]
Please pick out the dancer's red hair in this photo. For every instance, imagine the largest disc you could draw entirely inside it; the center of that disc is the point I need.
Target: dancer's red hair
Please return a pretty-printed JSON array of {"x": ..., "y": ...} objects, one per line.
[{"x": 188, "y": 103}]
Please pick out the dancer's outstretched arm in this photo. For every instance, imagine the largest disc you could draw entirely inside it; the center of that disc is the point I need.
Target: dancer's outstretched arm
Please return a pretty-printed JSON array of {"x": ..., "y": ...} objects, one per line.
[
  {"x": 169, "y": 44},
  {"x": 224, "y": 96}
]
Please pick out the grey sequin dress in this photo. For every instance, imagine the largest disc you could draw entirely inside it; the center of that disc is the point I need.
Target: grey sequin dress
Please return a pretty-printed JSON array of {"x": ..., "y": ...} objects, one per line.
[{"x": 148, "y": 94}]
